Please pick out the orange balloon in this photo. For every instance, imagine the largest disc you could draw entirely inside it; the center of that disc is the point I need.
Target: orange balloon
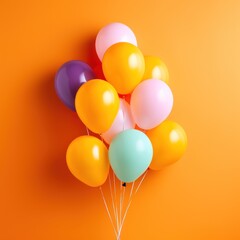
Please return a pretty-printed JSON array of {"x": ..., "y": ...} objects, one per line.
[
  {"x": 87, "y": 160},
  {"x": 97, "y": 105},
  {"x": 123, "y": 66},
  {"x": 155, "y": 68},
  {"x": 169, "y": 142}
]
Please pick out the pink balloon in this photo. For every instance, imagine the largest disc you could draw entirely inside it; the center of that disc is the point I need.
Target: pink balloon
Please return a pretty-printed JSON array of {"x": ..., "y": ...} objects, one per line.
[
  {"x": 122, "y": 122},
  {"x": 151, "y": 103},
  {"x": 111, "y": 34}
]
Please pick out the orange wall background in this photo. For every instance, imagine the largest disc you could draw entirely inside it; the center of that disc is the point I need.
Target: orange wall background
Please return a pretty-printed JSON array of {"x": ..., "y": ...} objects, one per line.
[{"x": 198, "y": 197}]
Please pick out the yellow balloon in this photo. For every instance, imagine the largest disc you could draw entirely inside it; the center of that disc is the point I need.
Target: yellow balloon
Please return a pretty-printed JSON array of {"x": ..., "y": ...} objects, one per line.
[
  {"x": 97, "y": 105},
  {"x": 169, "y": 142},
  {"x": 155, "y": 68},
  {"x": 123, "y": 66},
  {"x": 87, "y": 160}
]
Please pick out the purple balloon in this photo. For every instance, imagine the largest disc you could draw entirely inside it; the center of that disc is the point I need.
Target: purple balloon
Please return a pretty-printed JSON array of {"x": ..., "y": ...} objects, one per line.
[{"x": 69, "y": 78}]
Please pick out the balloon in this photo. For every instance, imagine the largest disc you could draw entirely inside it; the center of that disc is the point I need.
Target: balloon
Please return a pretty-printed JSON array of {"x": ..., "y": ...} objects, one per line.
[
  {"x": 151, "y": 103},
  {"x": 97, "y": 104},
  {"x": 123, "y": 121},
  {"x": 169, "y": 143},
  {"x": 87, "y": 160},
  {"x": 111, "y": 34},
  {"x": 155, "y": 68},
  {"x": 123, "y": 66},
  {"x": 69, "y": 78},
  {"x": 130, "y": 154}
]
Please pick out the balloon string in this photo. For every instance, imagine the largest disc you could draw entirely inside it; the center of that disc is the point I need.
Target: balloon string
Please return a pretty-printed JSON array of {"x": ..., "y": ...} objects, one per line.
[
  {"x": 124, "y": 189},
  {"x": 131, "y": 191},
  {"x": 87, "y": 131},
  {"x": 109, "y": 215},
  {"x": 113, "y": 204},
  {"x": 120, "y": 204},
  {"x": 114, "y": 209},
  {"x": 129, "y": 204},
  {"x": 130, "y": 195},
  {"x": 141, "y": 182},
  {"x": 115, "y": 199}
]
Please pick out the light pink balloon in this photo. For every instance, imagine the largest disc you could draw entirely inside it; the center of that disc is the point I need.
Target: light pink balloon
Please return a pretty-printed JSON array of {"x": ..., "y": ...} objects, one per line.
[
  {"x": 111, "y": 34},
  {"x": 122, "y": 122},
  {"x": 151, "y": 103}
]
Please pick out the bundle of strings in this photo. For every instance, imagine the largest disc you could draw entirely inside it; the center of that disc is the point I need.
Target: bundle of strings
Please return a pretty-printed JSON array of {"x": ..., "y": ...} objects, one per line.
[{"x": 121, "y": 197}]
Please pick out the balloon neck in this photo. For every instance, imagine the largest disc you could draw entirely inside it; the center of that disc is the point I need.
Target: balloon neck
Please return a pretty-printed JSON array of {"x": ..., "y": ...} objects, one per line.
[{"x": 124, "y": 185}]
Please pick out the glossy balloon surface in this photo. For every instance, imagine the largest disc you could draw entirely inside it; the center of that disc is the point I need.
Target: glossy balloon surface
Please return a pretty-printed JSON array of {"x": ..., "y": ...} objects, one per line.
[
  {"x": 169, "y": 142},
  {"x": 123, "y": 66},
  {"x": 122, "y": 122},
  {"x": 155, "y": 68},
  {"x": 87, "y": 159},
  {"x": 151, "y": 103},
  {"x": 111, "y": 34},
  {"x": 97, "y": 105},
  {"x": 69, "y": 78},
  {"x": 130, "y": 154}
]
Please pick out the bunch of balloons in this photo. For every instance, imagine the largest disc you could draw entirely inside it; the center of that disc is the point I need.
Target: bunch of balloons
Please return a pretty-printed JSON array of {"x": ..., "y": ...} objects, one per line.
[{"x": 134, "y": 134}]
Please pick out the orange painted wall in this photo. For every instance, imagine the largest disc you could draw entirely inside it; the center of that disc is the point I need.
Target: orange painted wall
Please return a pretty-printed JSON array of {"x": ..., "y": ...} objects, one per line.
[{"x": 197, "y": 198}]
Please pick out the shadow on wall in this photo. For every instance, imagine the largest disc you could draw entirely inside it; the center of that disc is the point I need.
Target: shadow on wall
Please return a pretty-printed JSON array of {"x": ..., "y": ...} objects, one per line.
[
  {"x": 60, "y": 126},
  {"x": 92, "y": 58},
  {"x": 57, "y": 127}
]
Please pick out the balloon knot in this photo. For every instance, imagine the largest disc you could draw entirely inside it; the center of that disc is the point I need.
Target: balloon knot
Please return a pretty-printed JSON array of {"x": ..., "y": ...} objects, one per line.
[{"x": 124, "y": 185}]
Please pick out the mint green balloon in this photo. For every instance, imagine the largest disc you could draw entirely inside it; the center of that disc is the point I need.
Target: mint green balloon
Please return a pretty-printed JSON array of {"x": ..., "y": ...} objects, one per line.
[{"x": 130, "y": 154}]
